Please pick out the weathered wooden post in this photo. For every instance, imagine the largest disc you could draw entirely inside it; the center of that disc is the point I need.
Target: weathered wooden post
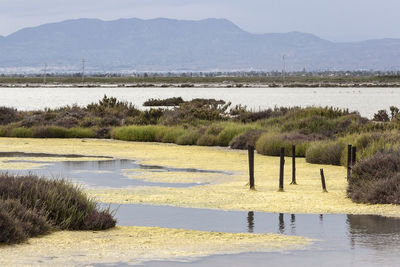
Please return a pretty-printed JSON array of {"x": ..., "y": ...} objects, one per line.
[
  {"x": 353, "y": 156},
  {"x": 323, "y": 181},
  {"x": 349, "y": 148},
  {"x": 281, "y": 169},
  {"x": 251, "y": 165},
  {"x": 293, "y": 165}
]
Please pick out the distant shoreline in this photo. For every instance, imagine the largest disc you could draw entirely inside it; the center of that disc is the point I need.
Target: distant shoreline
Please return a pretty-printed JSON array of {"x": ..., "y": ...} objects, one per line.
[
  {"x": 197, "y": 85},
  {"x": 204, "y": 82}
]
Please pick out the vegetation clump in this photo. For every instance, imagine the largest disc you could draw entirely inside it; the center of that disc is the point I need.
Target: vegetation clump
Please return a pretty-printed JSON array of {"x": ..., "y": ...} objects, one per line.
[
  {"x": 31, "y": 206},
  {"x": 168, "y": 102},
  {"x": 376, "y": 180}
]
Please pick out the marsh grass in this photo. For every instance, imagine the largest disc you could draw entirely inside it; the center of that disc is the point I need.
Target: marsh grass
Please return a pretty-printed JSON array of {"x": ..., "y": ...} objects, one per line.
[{"x": 33, "y": 204}]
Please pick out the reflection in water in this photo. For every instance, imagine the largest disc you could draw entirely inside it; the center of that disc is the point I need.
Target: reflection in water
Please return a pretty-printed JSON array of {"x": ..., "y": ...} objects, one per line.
[
  {"x": 281, "y": 223},
  {"x": 250, "y": 221},
  {"x": 292, "y": 224},
  {"x": 380, "y": 233},
  {"x": 375, "y": 239}
]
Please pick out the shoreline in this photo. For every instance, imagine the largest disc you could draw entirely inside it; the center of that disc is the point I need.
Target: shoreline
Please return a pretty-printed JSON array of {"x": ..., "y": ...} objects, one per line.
[{"x": 202, "y": 85}]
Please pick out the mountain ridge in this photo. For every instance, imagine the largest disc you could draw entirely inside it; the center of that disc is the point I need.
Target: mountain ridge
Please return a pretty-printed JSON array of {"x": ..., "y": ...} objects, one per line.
[{"x": 171, "y": 45}]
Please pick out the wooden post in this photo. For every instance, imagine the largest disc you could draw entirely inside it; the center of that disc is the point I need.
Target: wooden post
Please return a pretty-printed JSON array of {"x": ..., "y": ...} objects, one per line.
[
  {"x": 251, "y": 166},
  {"x": 281, "y": 169},
  {"x": 293, "y": 165},
  {"x": 349, "y": 147},
  {"x": 323, "y": 181},
  {"x": 353, "y": 155}
]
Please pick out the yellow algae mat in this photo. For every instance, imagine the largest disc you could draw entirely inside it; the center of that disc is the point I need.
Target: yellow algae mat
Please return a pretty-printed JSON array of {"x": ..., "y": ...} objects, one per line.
[
  {"x": 138, "y": 244},
  {"x": 229, "y": 192}
]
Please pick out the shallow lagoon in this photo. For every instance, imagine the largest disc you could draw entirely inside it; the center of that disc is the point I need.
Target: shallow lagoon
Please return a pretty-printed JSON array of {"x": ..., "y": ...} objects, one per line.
[
  {"x": 367, "y": 240},
  {"x": 366, "y": 100}
]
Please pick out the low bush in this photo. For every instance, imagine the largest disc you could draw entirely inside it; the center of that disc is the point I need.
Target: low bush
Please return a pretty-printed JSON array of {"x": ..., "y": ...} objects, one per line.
[
  {"x": 170, "y": 134},
  {"x": 79, "y": 133},
  {"x": 168, "y": 102},
  {"x": 325, "y": 152},
  {"x": 32, "y": 204},
  {"x": 8, "y": 115},
  {"x": 247, "y": 138},
  {"x": 231, "y": 131},
  {"x": 270, "y": 144},
  {"x": 49, "y": 132},
  {"x": 138, "y": 133},
  {"x": 376, "y": 180},
  {"x": 207, "y": 140},
  {"x": 17, "y": 223},
  {"x": 190, "y": 137},
  {"x": 21, "y": 132},
  {"x": 3, "y": 132}
]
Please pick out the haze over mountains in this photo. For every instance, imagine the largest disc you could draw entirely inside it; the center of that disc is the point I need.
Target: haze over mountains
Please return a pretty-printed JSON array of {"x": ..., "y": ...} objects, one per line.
[{"x": 177, "y": 45}]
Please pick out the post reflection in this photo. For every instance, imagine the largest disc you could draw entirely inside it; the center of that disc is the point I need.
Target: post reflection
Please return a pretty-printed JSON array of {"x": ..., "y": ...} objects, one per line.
[
  {"x": 292, "y": 223},
  {"x": 250, "y": 221},
  {"x": 281, "y": 223}
]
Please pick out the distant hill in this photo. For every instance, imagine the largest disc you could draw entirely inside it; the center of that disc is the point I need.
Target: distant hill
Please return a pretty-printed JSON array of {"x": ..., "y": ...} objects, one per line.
[{"x": 173, "y": 45}]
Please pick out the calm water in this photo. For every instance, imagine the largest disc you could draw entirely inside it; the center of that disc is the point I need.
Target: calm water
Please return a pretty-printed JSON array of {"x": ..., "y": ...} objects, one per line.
[
  {"x": 366, "y": 100},
  {"x": 340, "y": 239},
  {"x": 346, "y": 240},
  {"x": 111, "y": 173}
]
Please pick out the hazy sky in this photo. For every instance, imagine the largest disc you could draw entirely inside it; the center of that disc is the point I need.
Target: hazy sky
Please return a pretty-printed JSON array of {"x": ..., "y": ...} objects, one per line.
[{"x": 337, "y": 20}]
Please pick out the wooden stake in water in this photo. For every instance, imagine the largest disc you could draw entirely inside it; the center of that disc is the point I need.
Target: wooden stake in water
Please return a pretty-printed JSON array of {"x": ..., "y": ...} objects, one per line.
[
  {"x": 349, "y": 147},
  {"x": 281, "y": 169},
  {"x": 293, "y": 165},
  {"x": 323, "y": 181},
  {"x": 251, "y": 166}
]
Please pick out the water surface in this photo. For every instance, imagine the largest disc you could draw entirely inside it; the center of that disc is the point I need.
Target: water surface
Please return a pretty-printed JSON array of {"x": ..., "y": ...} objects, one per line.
[
  {"x": 366, "y": 100},
  {"x": 345, "y": 240}
]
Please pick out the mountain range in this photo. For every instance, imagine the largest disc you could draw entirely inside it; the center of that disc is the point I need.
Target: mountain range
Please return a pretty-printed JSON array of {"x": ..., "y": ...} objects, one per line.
[{"x": 183, "y": 45}]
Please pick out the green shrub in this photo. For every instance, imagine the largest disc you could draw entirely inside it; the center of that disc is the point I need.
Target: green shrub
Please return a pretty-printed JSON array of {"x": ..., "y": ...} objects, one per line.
[
  {"x": 308, "y": 125},
  {"x": 3, "y": 132},
  {"x": 190, "y": 137},
  {"x": 79, "y": 133},
  {"x": 214, "y": 129},
  {"x": 270, "y": 143},
  {"x": 247, "y": 138},
  {"x": 21, "y": 132},
  {"x": 230, "y": 132},
  {"x": 325, "y": 152},
  {"x": 170, "y": 134},
  {"x": 138, "y": 133},
  {"x": 49, "y": 132},
  {"x": 207, "y": 140}
]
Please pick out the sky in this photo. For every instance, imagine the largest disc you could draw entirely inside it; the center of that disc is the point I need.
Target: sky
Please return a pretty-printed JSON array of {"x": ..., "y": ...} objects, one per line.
[{"x": 335, "y": 20}]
